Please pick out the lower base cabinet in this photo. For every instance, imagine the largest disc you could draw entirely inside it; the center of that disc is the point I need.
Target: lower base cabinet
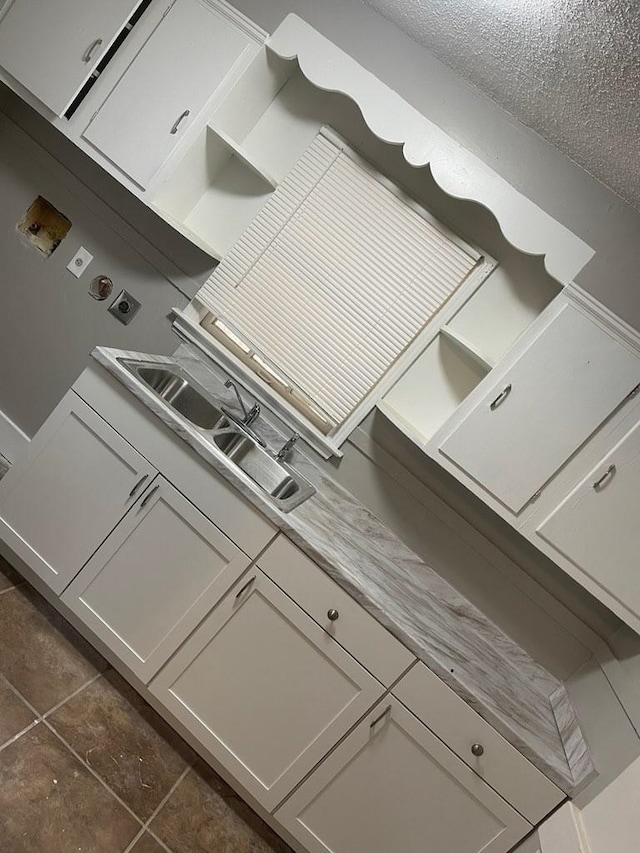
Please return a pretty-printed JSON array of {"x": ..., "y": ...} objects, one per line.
[
  {"x": 317, "y": 711},
  {"x": 265, "y": 689},
  {"x": 75, "y": 482},
  {"x": 154, "y": 578},
  {"x": 392, "y": 785}
]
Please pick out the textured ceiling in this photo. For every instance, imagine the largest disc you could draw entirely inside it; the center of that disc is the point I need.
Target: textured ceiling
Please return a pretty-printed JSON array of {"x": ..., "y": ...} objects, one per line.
[{"x": 568, "y": 69}]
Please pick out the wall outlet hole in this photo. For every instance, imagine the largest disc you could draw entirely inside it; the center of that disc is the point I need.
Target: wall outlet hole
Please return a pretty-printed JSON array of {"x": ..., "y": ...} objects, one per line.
[{"x": 44, "y": 226}]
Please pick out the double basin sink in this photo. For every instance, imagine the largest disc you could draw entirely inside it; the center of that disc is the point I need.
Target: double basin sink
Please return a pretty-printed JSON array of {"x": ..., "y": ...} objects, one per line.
[{"x": 177, "y": 389}]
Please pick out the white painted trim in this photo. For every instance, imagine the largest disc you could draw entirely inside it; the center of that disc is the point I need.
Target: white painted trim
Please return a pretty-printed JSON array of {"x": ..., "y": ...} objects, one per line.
[
  {"x": 248, "y": 26},
  {"x": 605, "y": 316},
  {"x": 563, "y": 832},
  {"x": 457, "y": 171},
  {"x": 13, "y": 441},
  {"x": 625, "y": 689}
]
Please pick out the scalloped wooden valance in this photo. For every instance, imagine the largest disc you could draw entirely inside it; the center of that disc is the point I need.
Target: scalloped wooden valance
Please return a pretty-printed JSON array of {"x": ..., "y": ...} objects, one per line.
[{"x": 455, "y": 169}]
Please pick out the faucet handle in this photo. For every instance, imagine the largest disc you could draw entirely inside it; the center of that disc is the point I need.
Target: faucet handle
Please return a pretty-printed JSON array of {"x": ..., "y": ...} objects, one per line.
[
  {"x": 248, "y": 417},
  {"x": 286, "y": 447}
]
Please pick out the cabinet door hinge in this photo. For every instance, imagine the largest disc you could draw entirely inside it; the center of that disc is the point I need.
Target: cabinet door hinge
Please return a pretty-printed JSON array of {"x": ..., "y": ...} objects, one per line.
[{"x": 535, "y": 497}]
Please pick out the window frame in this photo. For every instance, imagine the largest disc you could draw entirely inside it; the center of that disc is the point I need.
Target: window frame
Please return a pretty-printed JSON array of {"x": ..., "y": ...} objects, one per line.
[
  {"x": 187, "y": 325},
  {"x": 329, "y": 444}
]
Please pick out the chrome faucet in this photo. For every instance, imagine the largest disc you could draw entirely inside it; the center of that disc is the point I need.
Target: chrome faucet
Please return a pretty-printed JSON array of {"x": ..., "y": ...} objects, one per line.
[
  {"x": 249, "y": 415},
  {"x": 286, "y": 447}
]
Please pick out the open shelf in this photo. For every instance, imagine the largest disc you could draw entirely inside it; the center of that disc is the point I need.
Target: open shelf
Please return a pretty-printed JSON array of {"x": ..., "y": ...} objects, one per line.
[
  {"x": 494, "y": 317},
  {"x": 211, "y": 196},
  {"x": 430, "y": 391},
  {"x": 251, "y": 141},
  {"x": 467, "y": 348},
  {"x": 244, "y": 157}
]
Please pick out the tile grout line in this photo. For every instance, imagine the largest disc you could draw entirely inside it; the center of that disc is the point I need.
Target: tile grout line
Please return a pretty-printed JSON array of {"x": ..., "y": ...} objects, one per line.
[
  {"x": 95, "y": 775},
  {"x": 154, "y": 814},
  {"x": 17, "y": 736},
  {"x": 71, "y": 695},
  {"x": 20, "y": 696},
  {"x": 11, "y": 588},
  {"x": 43, "y": 718},
  {"x": 40, "y": 717}
]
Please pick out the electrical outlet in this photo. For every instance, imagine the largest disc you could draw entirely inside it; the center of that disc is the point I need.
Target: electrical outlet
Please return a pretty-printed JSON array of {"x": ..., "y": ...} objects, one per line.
[
  {"x": 124, "y": 307},
  {"x": 79, "y": 262}
]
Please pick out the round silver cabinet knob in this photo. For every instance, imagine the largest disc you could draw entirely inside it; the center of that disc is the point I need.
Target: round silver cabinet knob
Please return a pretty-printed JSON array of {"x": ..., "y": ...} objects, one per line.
[
  {"x": 332, "y": 614},
  {"x": 477, "y": 749}
]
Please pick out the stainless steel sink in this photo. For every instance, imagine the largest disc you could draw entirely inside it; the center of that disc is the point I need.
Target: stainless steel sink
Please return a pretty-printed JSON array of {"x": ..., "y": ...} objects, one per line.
[
  {"x": 282, "y": 483},
  {"x": 178, "y": 390}
]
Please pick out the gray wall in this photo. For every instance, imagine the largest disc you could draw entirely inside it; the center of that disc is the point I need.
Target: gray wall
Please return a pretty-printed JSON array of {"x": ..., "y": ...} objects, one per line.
[{"x": 49, "y": 322}]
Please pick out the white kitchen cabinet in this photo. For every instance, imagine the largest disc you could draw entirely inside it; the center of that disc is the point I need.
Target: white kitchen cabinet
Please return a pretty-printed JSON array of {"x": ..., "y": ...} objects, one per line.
[
  {"x": 335, "y": 611},
  {"x": 154, "y": 578},
  {"x": 213, "y": 188},
  {"x": 264, "y": 689},
  {"x": 77, "y": 480},
  {"x": 51, "y": 48},
  {"x": 165, "y": 88},
  {"x": 460, "y": 727},
  {"x": 393, "y": 785},
  {"x": 217, "y": 499},
  {"x": 593, "y": 533},
  {"x": 552, "y": 398},
  {"x": 473, "y": 333}
]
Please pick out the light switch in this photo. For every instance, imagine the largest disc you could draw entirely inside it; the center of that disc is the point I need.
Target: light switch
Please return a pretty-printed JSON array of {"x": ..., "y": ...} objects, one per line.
[{"x": 79, "y": 262}]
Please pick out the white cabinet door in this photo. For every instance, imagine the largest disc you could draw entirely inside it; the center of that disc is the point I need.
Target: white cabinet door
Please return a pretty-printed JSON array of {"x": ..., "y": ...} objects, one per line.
[
  {"x": 392, "y": 785},
  {"x": 165, "y": 87},
  {"x": 61, "y": 500},
  {"x": 52, "y": 47},
  {"x": 460, "y": 727},
  {"x": 556, "y": 394},
  {"x": 264, "y": 689},
  {"x": 153, "y": 580},
  {"x": 596, "y": 529}
]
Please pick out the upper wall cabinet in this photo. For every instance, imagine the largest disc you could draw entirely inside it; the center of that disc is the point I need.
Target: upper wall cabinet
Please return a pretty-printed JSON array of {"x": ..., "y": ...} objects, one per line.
[
  {"x": 546, "y": 405},
  {"x": 193, "y": 50},
  {"x": 593, "y": 532},
  {"x": 472, "y": 339},
  {"x": 52, "y": 48},
  {"x": 213, "y": 189}
]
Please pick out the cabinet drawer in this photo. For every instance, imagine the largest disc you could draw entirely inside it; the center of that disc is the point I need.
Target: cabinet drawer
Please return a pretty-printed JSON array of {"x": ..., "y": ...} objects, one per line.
[
  {"x": 359, "y": 633},
  {"x": 458, "y": 725}
]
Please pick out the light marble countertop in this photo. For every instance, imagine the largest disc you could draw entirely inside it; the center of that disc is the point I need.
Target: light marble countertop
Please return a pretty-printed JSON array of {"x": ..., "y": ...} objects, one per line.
[{"x": 484, "y": 666}]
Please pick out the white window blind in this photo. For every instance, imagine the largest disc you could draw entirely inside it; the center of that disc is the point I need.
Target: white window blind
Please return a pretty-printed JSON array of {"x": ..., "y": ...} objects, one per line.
[{"x": 334, "y": 278}]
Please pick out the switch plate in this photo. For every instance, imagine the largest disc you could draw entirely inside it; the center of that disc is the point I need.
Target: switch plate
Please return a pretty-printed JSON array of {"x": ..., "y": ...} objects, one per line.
[
  {"x": 124, "y": 307},
  {"x": 79, "y": 262}
]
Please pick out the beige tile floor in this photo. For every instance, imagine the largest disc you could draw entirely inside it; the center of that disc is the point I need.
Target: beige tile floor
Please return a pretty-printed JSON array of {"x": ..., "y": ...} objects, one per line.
[{"x": 86, "y": 764}]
